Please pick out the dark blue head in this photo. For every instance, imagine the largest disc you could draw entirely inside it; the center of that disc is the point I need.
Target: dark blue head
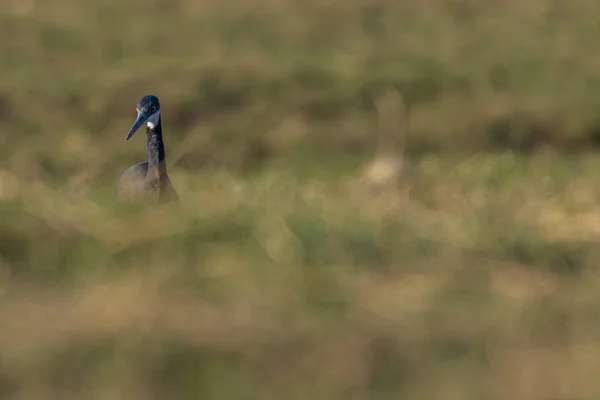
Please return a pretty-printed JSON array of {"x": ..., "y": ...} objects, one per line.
[{"x": 148, "y": 110}]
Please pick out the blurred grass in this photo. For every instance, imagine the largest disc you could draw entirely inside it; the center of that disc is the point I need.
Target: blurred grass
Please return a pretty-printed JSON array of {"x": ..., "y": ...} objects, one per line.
[
  {"x": 476, "y": 76},
  {"x": 476, "y": 279},
  {"x": 278, "y": 274}
]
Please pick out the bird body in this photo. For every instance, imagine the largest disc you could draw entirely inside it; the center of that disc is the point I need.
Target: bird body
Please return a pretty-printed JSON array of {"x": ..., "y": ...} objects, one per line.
[{"x": 148, "y": 181}]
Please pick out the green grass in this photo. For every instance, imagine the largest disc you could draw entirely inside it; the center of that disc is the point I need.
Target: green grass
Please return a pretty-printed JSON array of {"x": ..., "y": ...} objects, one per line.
[
  {"x": 475, "y": 76},
  {"x": 279, "y": 275},
  {"x": 271, "y": 285}
]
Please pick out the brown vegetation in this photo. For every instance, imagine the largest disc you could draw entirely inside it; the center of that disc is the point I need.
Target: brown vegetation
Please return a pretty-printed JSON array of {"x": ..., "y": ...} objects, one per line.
[{"x": 275, "y": 276}]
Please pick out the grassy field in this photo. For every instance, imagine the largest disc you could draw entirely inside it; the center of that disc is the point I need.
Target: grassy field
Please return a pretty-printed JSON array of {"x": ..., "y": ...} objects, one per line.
[{"x": 281, "y": 273}]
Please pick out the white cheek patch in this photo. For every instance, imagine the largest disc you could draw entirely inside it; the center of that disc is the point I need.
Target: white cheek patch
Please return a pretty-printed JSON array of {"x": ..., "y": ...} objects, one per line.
[{"x": 152, "y": 120}]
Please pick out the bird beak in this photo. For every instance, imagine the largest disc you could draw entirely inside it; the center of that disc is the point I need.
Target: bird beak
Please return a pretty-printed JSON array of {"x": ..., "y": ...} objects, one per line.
[{"x": 141, "y": 118}]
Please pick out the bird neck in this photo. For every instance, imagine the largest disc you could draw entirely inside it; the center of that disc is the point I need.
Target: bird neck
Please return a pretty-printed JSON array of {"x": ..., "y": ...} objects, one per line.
[{"x": 156, "y": 151}]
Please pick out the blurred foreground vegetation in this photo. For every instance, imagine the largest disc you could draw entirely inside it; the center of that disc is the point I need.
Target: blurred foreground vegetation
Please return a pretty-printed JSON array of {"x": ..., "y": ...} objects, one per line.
[{"x": 279, "y": 275}]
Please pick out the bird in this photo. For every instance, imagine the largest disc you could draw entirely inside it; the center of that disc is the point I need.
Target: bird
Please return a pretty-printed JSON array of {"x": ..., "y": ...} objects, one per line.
[{"x": 148, "y": 181}]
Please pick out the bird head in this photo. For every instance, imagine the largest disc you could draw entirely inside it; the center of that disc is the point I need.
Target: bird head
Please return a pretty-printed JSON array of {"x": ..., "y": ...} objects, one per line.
[{"x": 148, "y": 112}]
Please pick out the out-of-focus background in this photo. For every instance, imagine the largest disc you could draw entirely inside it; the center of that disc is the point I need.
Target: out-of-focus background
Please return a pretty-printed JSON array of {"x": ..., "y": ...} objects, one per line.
[{"x": 283, "y": 272}]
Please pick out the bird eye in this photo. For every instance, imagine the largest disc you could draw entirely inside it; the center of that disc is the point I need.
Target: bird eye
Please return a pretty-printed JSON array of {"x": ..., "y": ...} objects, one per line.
[{"x": 154, "y": 109}]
